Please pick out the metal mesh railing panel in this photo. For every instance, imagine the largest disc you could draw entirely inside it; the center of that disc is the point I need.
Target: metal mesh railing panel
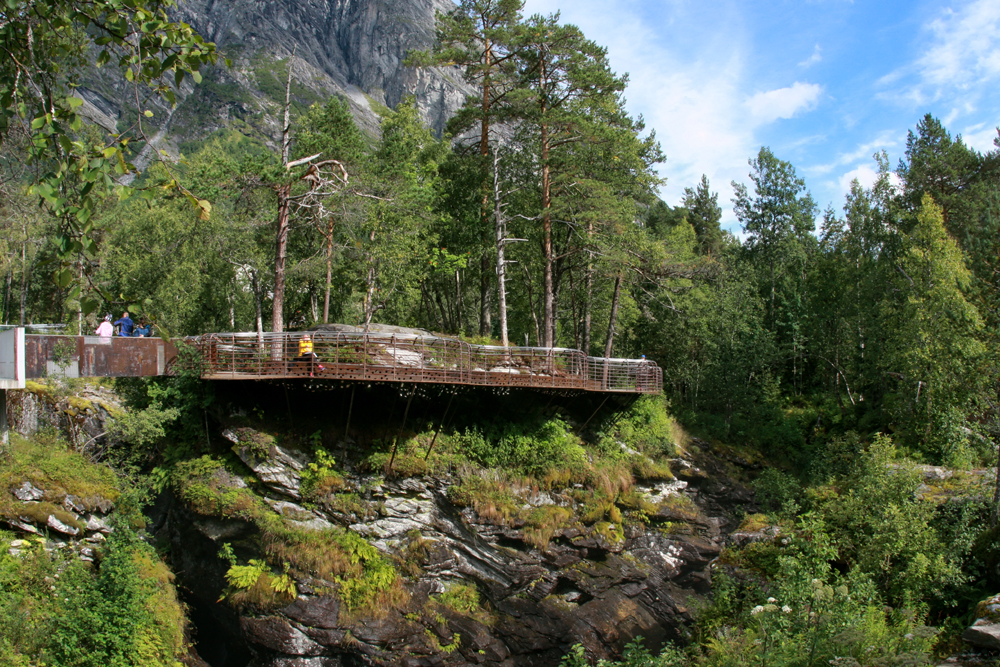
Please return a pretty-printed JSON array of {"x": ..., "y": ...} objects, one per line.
[{"x": 378, "y": 356}]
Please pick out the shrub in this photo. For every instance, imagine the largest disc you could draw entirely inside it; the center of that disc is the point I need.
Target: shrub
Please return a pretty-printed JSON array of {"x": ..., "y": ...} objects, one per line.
[{"x": 777, "y": 491}]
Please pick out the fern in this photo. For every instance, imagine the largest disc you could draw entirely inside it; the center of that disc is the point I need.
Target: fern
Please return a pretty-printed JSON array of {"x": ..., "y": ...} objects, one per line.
[
  {"x": 244, "y": 577},
  {"x": 284, "y": 584}
]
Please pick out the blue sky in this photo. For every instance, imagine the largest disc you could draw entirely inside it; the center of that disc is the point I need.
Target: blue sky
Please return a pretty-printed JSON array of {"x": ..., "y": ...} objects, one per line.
[{"x": 824, "y": 83}]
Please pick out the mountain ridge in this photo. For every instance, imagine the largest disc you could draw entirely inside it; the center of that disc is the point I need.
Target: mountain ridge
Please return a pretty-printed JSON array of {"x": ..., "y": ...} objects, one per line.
[{"x": 351, "y": 48}]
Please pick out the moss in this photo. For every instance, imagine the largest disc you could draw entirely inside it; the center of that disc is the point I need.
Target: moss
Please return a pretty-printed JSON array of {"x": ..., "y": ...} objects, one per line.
[
  {"x": 754, "y": 522},
  {"x": 349, "y": 504},
  {"x": 679, "y": 507},
  {"x": 165, "y": 634},
  {"x": 611, "y": 533},
  {"x": 648, "y": 469},
  {"x": 207, "y": 487},
  {"x": 37, "y": 388},
  {"x": 48, "y": 464},
  {"x": 633, "y": 500},
  {"x": 260, "y": 445},
  {"x": 80, "y": 404},
  {"x": 39, "y": 513}
]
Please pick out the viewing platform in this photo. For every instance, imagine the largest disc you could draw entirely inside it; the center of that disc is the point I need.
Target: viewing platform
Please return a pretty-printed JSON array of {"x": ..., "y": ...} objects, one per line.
[{"x": 353, "y": 356}]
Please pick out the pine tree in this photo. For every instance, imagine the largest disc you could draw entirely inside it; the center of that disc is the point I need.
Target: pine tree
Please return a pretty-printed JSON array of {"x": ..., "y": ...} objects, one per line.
[{"x": 704, "y": 214}]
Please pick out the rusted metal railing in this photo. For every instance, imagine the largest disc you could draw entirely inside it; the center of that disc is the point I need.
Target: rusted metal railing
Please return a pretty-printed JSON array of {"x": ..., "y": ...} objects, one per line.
[{"x": 391, "y": 357}]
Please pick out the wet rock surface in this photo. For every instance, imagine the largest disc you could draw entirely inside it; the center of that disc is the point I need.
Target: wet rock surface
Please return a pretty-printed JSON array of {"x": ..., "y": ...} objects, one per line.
[{"x": 600, "y": 588}]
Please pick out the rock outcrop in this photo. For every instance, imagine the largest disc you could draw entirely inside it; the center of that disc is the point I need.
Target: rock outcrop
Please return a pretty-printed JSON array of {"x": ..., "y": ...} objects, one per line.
[
  {"x": 984, "y": 633},
  {"x": 600, "y": 585}
]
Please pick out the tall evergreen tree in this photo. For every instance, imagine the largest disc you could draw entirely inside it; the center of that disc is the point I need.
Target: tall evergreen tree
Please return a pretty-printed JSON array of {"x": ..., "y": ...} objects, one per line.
[
  {"x": 562, "y": 73},
  {"x": 704, "y": 214},
  {"x": 478, "y": 36}
]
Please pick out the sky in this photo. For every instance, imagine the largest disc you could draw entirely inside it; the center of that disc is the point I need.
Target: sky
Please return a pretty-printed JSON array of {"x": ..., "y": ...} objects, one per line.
[{"x": 823, "y": 83}]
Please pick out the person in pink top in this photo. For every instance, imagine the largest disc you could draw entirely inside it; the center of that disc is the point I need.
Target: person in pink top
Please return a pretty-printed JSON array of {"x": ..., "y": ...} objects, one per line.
[{"x": 105, "y": 330}]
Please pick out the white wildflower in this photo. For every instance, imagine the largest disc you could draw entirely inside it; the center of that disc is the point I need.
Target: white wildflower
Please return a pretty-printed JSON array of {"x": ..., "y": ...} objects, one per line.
[
  {"x": 771, "y": 600},
  {"x": 786, "y": 609},
  {"x": 756, "y": 610}
]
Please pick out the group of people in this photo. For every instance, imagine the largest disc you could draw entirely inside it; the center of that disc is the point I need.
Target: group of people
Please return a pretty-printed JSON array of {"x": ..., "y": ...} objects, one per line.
[{"x": 127, "y": 327}]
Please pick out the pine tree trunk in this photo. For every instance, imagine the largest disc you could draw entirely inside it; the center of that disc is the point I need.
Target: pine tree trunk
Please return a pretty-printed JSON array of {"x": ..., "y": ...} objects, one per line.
[
  {"x": 329, "y": 273},
  {"x": 588, "y": 287},
  {"x": 280, "y": 254},
  {"x": 609, "y": 342},
  {"x": 485, "y": 320},
  {"x": 23, "y": 304},
  {"x": 281, "y": 242},
  {"x": 501, "y": 241},
  {"x": 485, "y": 305},
  {"x": 548, "y": 301},
  {"x": 548, "y": 315}
]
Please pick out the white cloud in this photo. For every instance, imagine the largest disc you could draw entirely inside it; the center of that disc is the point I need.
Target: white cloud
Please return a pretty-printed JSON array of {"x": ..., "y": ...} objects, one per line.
[
  {"x": 813, "y": 59},
  {"x": 866, "y": 177},
  {"x": 694, "y": 99},
  {"x": 769, "y": 106},
  {"x": 962, "y": 54},
  {"x": 980, "y": 136},
  {"x": 865, "y": 151},
  {"x": 864, "y": 174},
  {"x": 966, "y": 46}
]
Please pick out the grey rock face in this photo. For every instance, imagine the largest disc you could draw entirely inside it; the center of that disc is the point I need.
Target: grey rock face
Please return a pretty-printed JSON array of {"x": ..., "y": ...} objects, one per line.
[
  {"x": 354, "y": 48},
  {"x": 599, "y": 588},
  {"x": 277, "y": 468}
]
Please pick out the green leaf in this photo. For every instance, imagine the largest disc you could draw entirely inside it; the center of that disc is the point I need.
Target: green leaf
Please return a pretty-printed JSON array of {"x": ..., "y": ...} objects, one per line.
[
  {"x": 147, "y": 113},
  {"x": 87, "y": 305},
  {"x": 62, "y": 278}
]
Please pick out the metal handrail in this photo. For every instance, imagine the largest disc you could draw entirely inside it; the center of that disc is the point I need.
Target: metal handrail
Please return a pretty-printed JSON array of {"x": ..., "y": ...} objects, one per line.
[{"x": 395, "y": 357}]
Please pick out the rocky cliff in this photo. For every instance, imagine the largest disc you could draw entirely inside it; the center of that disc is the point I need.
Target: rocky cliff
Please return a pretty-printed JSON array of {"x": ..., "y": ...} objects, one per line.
[
  {"x": 481, "y": 585},
  {"x": 352, "y": 48}
]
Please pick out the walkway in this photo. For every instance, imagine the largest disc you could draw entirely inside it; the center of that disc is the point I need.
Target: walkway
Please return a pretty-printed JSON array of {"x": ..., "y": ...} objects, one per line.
[
  {"x": 384, "y": 357},
  {"x": 359, "y": 357}
]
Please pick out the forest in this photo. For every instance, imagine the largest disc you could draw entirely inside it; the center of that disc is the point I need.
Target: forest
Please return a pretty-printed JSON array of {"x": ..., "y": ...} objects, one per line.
[{"x": 832, "y": 343}]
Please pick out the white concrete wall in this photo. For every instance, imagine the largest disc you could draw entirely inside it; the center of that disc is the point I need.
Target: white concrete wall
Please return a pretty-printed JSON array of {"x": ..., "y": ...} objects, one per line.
[{"x": 12, "y": 359}]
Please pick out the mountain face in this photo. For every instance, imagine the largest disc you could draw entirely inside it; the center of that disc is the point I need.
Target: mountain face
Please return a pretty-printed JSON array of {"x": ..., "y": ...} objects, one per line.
[{"x": 352, "y": 48}]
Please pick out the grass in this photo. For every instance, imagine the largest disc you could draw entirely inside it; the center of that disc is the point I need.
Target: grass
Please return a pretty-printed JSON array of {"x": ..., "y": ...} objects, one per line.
[
  {"x": 492, "y": 499},
  {"x": 543, "y": 522},
  {"x": 47, "y": 462}
]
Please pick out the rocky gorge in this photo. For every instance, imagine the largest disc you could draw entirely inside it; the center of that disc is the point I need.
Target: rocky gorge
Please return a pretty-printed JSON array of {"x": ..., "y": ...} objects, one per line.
[
  {"x": 483, "y": 567},
  {"x": 413, "y": 555},
  {"x": 598, "y": 585}
]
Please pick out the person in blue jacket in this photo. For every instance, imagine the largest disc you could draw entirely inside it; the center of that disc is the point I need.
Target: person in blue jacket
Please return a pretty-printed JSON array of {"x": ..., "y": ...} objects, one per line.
[
  {"x": 144, "y": 330},
  {"x": 126, "y": 325}
]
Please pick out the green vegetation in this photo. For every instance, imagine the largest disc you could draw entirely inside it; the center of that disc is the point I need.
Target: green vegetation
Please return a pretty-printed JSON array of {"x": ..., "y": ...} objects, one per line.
[
  {"x": 820, "y": 366},
  {"x": 49, "y": 464},
  {"x": 58, "y": 610}
]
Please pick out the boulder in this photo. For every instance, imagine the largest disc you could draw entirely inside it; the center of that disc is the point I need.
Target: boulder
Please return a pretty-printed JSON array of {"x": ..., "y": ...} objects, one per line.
[
  {"x": 58, "y": 526},
  {"x": 983, "y": 634},
  {"x": 277, "y": 634},
  {"x": 277, "y": 468},
  {"x": 28, "y": 492}
]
